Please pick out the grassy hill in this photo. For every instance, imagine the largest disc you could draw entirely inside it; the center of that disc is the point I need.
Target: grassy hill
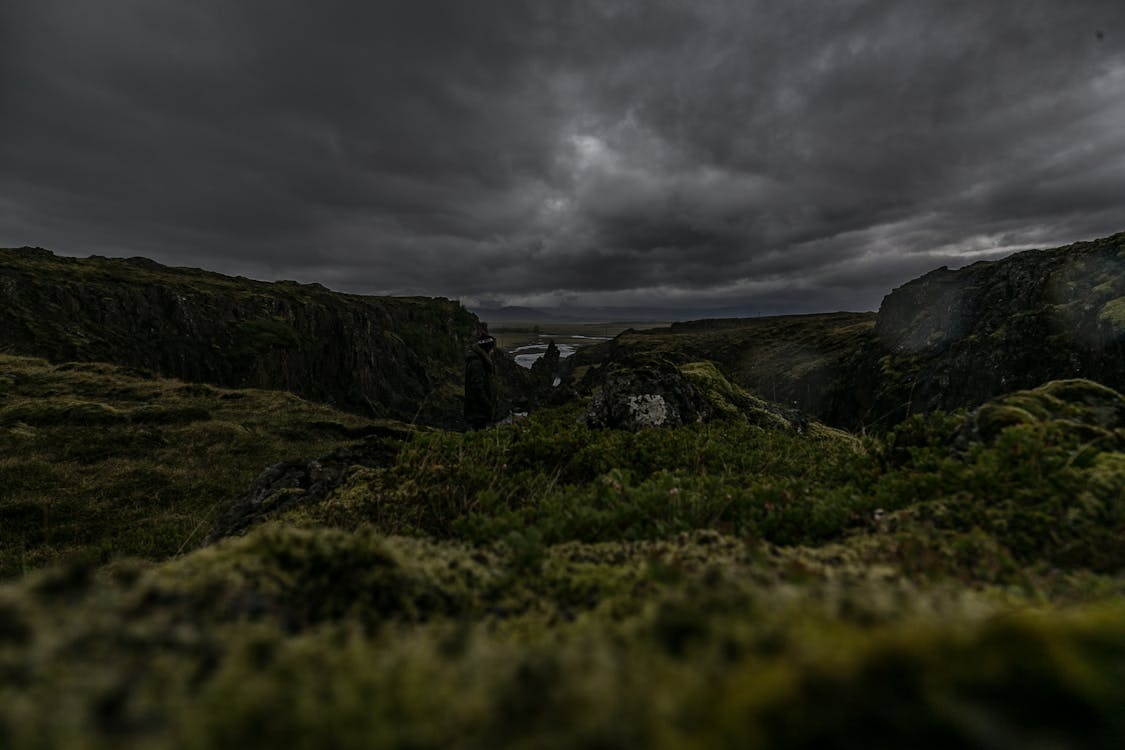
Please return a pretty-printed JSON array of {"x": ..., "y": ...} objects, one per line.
[
  {"x": 956, "y": 582},
  {"x": 99, "y": 461}
]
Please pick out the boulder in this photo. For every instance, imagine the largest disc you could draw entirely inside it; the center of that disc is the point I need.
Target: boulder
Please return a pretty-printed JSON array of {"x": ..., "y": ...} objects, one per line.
[{"x": 647, "y": 391}]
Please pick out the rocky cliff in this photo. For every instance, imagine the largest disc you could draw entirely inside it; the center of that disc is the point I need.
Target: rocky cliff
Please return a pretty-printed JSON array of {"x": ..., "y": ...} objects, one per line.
[
  {"x": 947, "y": 340},
  {"x": 954, "y": 339},
  {"x": 381, "y": 356}
]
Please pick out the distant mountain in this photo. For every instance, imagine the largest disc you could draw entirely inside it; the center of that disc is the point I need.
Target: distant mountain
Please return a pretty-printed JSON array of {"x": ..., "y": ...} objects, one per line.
[{"x": 513, "y": 314}]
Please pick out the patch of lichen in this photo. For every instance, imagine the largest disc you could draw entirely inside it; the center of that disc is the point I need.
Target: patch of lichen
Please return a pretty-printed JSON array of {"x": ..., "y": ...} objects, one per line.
[{"x": 1112, "y": 313}]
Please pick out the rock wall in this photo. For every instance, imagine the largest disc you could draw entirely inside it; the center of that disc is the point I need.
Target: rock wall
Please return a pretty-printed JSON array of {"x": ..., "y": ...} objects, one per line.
[
  {"x": 387, "y": 357},
  {"x": 953, "y": 339}
]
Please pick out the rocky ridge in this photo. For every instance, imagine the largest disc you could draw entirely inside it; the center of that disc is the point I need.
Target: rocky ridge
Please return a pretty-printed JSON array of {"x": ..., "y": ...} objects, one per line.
[{"x": 377, "y": 356}]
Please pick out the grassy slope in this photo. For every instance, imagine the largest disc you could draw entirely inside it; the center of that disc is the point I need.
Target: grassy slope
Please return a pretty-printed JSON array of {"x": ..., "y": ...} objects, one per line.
[
  {"x": 548, "y": 585},
  {"x": 99, "y": 460},
  {"x": 144, "y": 272}
]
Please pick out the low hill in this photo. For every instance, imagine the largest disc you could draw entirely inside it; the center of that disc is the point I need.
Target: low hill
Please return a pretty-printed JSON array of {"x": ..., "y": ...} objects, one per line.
[{"x": 398, "y": 357}]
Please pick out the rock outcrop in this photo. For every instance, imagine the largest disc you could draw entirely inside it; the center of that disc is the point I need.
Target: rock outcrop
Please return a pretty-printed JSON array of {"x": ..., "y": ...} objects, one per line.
[
  {"x": 653, "y": 392},
  {"x": 648, "y": 393},
  {"x": 954, "y": 339},
  {"x": 789, "y": 359},
  {"x": 379, "y": 356},
  {"x": 296, "y": 482}
]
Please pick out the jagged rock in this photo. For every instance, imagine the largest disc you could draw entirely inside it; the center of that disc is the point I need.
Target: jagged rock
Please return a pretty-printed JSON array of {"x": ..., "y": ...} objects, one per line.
[
  {"x": 546, "y": 367},
  {"x": 550, "y": 378},
  {"x": 545, "y": 383},
  {"x": 300, "y": 481}
]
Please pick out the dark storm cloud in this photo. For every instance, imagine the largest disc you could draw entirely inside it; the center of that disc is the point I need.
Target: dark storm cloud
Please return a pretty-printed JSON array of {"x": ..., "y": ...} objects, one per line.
[{"x": 785, "y": 156}]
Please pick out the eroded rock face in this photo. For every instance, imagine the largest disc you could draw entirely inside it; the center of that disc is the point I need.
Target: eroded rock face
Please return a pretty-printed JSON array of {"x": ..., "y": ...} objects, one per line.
[
  {"x": 954, "y": 339},
  {"x": 378, "y": 356}
]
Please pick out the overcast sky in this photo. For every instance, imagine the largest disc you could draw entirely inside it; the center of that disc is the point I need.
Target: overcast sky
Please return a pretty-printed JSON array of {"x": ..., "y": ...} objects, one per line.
[{"x": 777, "y": 156}]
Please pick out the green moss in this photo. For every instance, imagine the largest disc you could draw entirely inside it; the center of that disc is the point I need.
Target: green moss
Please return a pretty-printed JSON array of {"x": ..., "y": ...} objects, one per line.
[
  {"x": 728, "y": 399},
  {"x": 994, "y": 418},
  {"x": 1112, "y": 313},
  {"x": 325, "y": 638},
  {"x": 58, "y": 411},
  {"x": 1089, "y": 407},
  {"x": 553, "y": 475}
]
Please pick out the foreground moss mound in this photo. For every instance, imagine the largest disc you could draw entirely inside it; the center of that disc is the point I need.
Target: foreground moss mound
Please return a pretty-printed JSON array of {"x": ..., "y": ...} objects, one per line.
[
  {"x": 311, "y": 638},
  {"x": 957, "y": 583}
]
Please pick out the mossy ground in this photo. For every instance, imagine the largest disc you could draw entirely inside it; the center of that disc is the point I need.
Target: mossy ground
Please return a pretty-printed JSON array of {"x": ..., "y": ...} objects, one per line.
[
  {"x": 549, "y": 585},
  {"x": 98, "y": 461}
]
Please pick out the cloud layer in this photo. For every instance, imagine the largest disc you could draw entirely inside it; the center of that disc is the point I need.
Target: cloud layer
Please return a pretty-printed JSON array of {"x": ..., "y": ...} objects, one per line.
[{"x": 771, "y": 156}]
